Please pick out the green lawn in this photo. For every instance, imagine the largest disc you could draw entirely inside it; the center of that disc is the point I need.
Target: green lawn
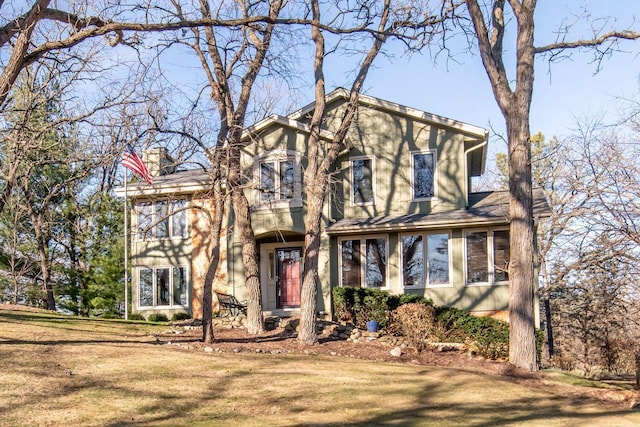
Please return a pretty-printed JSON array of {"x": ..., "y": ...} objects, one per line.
[{"x": 57, "y": 370}]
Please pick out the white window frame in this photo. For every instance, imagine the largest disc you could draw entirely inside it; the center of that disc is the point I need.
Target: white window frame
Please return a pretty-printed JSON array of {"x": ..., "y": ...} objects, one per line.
[
  {"x": 363, "y": 258},
  {"x": 490, "y": 257},
  {"x": 154, "y": 285},
  {"x": 435, "y": 175},
  {"x": 425, "y": 251},
  {"x": 155, "y": 220},
  {"x": 373, "y": 180},
  {"x": 276, "y": 157}
]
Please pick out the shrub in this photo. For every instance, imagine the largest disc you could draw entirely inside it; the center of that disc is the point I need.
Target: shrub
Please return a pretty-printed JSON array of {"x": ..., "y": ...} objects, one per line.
[
  {"x": 182, "y": 315},
  {"x": 358, "y": 305},
  {"x": 415, "y": 321},
  {"x": 485, "y": 336},
  {"x": 136, "y": 316},
  {"x": 158, "y": 317},
  {"x": 413, "y": 298}
]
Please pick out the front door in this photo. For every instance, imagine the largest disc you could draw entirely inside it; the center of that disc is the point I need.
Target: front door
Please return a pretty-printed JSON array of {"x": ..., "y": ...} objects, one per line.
[{"x": 288, "y": 276}]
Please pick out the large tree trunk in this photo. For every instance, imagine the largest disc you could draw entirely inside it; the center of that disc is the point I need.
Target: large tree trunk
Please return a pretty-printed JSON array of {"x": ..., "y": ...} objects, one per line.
[
  {"x": 522, "y": 348},
  {"x": 309, "y": 291},
  {"x": 242, "y": 211}
]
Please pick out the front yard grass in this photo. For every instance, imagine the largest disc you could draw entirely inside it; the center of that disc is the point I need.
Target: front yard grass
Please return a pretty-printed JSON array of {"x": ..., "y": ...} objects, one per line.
[{"x": 57, "y": 370}]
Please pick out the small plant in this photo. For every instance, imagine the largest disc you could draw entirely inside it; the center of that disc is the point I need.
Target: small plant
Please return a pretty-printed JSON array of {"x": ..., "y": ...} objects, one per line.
[
  {"x": 157, "y": 317},
  {"x": 136, "y": 316},
  {"x": 182, "y": 315},
  {"x": 415, "y": 321}
]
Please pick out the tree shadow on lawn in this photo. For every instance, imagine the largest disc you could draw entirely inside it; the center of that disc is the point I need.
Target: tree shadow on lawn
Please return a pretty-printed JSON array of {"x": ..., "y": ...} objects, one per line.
[{"x": 555, "y": 410}]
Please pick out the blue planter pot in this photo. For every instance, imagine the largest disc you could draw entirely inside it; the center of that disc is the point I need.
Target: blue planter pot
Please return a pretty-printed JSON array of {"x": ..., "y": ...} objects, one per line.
[{"x": 372, "y": 326}]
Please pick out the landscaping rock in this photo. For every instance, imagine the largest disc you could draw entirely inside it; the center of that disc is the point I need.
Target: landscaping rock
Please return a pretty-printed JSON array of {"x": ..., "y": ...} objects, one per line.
[{"x": 396, "y": 352}]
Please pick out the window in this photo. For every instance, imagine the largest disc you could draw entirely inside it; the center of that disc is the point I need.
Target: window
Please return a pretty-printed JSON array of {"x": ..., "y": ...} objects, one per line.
[
  {"x": 362, "y": 179},
  {"x": 425, "y": 260},
  {"x": 166, "y": 286},
  {"x": 278, "y": 179},
  {"x": 363, "y": 262},
  {"x": 162, "y": 219},
  {"x": 487, "y": 256},
  {"x": 423, "y": 175}
]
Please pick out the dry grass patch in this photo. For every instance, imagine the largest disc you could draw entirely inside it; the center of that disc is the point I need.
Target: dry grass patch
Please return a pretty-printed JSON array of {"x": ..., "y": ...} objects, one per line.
[{"x": 58, "y": 370}]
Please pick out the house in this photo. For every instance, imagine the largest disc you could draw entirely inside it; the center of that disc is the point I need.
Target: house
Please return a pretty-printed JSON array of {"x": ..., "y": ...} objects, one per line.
[{"x": 400, "y": 216}]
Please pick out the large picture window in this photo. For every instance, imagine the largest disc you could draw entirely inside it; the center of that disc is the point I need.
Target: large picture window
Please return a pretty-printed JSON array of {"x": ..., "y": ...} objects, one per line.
[
  {"x": 425, "y": 260},
  {"x": 424, "y": 166},
  {"x": 162, "y": 219},
  {"x": 165, "y": 286},
  {"x": 487, "y": 256},
  {"x": 363, "y": 262},
  {"x": 362, "y": 181}
]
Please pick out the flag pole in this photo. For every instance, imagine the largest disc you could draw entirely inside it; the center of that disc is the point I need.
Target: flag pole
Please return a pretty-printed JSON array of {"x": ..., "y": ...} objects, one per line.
[{"x": 126, "y": 250}]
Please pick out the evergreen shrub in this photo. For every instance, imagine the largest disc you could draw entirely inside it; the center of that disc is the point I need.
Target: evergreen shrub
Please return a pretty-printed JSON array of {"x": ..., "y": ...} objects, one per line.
[
  {"x": 182, "y": 315},
  {"x": 157, "y": 317}
]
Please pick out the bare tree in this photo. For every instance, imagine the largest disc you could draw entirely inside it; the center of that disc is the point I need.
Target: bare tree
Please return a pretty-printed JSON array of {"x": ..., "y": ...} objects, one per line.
[
  {"x": 513, "y": 96},
  {"x": 392, "y": 21}
]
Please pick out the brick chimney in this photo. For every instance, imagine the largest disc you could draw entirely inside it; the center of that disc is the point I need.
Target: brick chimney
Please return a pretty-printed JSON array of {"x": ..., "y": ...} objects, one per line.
[{"x": 158, "y": 161}]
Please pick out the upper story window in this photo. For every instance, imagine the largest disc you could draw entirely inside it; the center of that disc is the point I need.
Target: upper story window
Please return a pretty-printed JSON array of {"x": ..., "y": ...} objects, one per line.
[
  {"x": 424, "y": 166},
  {"x": 487, "y": 256},
  {"x": 425, "y": 260},
  {"x": 162, "y": 219},
  {"x": 362, "y": 181},
  {"x": 278, "y": 179}
]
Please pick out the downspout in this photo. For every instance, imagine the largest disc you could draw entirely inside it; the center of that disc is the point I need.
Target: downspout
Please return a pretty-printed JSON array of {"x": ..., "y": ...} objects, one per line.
[{"x": 467, "y": 179}]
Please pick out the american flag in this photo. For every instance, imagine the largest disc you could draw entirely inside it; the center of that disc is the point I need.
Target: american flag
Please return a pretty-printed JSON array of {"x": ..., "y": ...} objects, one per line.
[{"x": 131, "y": 160}]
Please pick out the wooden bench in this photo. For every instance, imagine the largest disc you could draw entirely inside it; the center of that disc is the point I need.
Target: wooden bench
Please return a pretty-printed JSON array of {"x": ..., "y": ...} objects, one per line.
[{"x": 231, "y": 305}]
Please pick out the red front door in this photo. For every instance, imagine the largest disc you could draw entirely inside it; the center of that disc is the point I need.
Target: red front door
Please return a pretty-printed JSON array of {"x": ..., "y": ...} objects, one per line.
[{"x": 288, "y": 262}]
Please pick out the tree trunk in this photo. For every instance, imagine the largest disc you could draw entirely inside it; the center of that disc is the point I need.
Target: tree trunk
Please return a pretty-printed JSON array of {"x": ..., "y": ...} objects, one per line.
[
  {"x": 215, "y": 233},
  {"x": 242, "y": 211},
  {"x": 522, "y": 342},
  {"x": 309, "y": 291}
]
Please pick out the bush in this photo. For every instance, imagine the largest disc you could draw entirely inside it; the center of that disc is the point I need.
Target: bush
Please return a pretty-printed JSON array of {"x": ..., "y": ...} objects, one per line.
[
  {"x": 413, "y": 298},
  {"x": 415, "y": 321},
  {"x": 136, "y": 316},
  {"x": 485, "y": 336},
  {"x": 157, "y": 317},
  {"x": 358, "y": 305},
  {"x": 182, "y": 315}
]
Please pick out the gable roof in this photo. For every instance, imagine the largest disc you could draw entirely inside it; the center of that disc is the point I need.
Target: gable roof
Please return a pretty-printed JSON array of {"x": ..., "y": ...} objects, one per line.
[
  {"x": 474, "y": 132},
  {"x": 485, "y": 209},
  {"x": 276, "y": 119}
]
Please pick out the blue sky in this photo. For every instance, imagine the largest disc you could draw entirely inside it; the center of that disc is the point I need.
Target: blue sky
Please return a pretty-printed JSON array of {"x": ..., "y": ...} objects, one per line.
[{"x": 564, "y": 92}]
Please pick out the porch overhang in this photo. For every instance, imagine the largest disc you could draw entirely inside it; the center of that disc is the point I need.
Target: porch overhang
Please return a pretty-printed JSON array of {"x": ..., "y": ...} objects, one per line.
[{"x": 485, "y": 209}]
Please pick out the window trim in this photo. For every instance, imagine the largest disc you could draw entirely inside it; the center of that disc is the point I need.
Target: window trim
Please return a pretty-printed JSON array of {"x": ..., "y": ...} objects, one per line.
[
  {"x": 373, "y": 181},
  {"x": 277, "y": 156},
  {"x": 435, "y": 175},
  {"x": 363, "y": 260},
  {"x": 154, "y": 284},
  {"x": 425, "y": 247},
  {"x": 153, "y": 236},
  {"x": 490, "y": 257}
]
